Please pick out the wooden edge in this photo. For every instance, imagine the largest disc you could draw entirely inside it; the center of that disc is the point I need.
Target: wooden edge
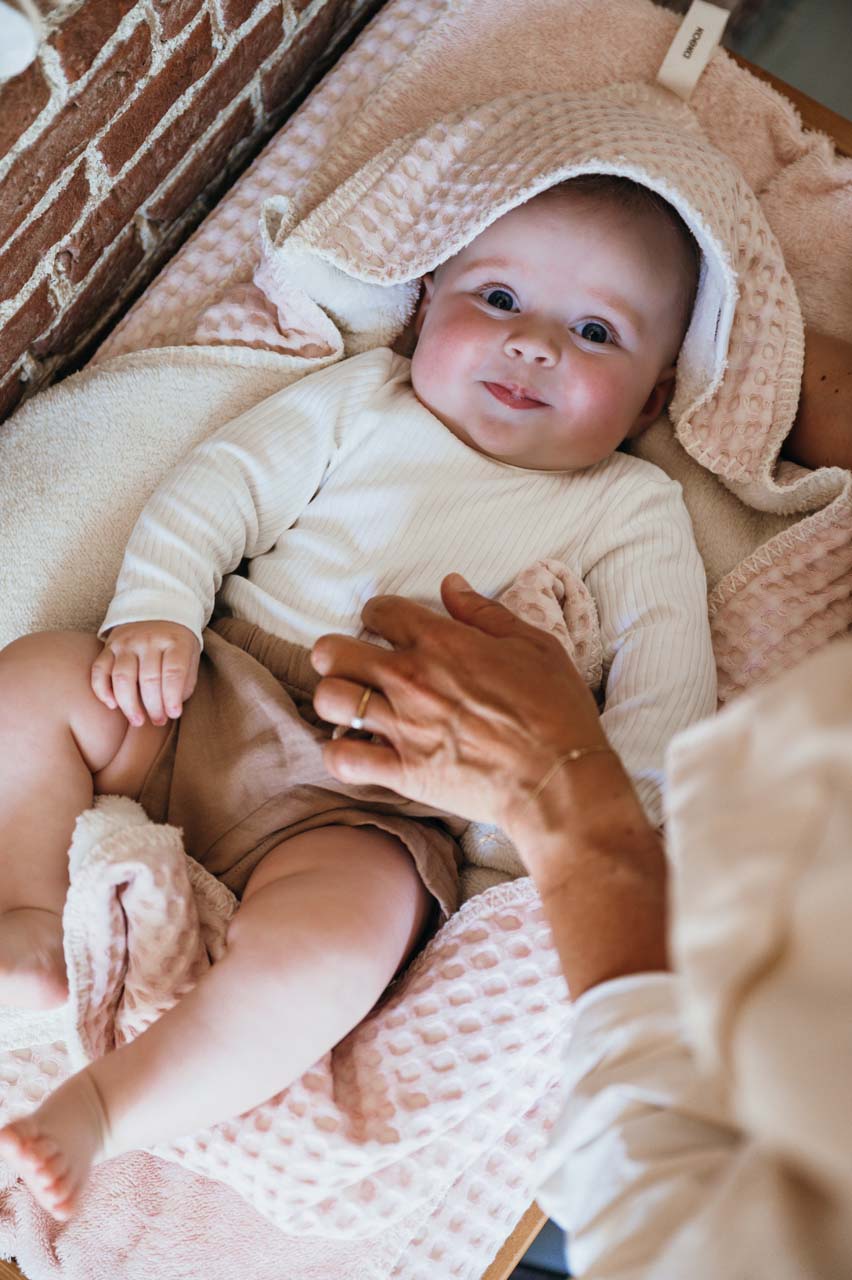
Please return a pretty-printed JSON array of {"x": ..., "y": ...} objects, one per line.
[
  {"x": 8, "y": 1271},
  {"x": 814, "y": 114},
  {"x": 516, "y": 1245}
]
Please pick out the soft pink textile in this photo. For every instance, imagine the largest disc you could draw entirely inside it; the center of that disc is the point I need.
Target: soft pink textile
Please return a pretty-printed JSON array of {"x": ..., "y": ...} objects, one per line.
[
  {"x": 350, "y": 1162},
  {"x": 148, "y": 1217}
]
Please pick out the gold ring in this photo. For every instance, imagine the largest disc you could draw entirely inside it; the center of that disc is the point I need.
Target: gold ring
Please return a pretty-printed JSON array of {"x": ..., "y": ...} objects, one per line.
[{"x": 357, "y": 721}]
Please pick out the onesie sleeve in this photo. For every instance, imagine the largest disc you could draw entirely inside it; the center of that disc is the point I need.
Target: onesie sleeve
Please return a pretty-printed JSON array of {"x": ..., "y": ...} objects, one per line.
[
  {"x": 234, "y": 495},
  {"x": 648, "y": 581}
]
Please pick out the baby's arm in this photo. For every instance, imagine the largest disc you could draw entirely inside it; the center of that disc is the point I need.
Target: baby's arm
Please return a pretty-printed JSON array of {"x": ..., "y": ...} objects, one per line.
[
  {"x": 821, "y": 436},
  {"x": 650, "y": 588},
  {"x": 232, "y": 496}
]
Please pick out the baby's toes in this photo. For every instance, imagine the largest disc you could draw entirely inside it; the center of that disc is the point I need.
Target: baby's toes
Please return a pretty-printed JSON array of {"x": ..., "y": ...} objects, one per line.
[
  {"x": 50, "y": 1164},
  {"x": 37, "y": 1159}
]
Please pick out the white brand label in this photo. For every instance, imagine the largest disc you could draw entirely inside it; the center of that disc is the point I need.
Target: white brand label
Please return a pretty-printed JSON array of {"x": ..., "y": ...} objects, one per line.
[{"x": 689, "y": 53}]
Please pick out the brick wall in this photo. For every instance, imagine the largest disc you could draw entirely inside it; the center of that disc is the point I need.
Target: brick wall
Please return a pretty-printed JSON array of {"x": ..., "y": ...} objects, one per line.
[{"x": 133, "y": 120}]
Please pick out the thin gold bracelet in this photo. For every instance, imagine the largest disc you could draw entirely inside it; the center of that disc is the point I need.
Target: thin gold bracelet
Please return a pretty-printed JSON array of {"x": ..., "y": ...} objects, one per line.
[{"x": 576, "y": 753}]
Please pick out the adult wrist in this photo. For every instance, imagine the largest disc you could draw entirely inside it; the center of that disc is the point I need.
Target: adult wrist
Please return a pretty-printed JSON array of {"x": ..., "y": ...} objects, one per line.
[{"x": 583, "y": 800}]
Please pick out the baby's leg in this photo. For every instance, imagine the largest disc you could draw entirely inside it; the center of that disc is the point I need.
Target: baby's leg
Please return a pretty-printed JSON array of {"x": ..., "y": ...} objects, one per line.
[
  {"x": 54, "y": 735},
  {"x": 326, "y": 920}
]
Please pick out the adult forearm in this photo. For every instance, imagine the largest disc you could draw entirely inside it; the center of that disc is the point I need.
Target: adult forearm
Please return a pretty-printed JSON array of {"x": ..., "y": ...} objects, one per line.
[{"x": 600, "y": 869}]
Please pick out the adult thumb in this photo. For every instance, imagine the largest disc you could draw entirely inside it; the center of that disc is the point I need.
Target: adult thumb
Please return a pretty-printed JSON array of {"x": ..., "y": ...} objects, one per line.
[{"x": 465, "y": 604}]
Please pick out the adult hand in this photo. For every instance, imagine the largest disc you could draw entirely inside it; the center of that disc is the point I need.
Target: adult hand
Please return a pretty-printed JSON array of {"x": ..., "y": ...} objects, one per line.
[
  {"x": 473, "y": 708},
  {"x": 474, "y": 711},
  {"x": 147, "y": 668}
]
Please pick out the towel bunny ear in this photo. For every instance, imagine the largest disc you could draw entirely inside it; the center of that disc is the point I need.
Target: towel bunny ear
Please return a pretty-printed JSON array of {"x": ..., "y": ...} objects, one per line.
[{"x": 348, "y": 314}]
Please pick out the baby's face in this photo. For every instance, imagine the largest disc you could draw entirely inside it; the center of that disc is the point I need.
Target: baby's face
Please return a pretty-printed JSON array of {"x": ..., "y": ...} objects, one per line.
[{"x": 553, "y": 335}]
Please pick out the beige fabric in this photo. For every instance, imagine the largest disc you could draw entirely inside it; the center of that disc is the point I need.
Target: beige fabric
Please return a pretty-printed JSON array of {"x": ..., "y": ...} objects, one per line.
[
  {"x": 79, "y": 461},
  {"x": 708, "y": 1125},
  {"x": 241, "y": 771}
]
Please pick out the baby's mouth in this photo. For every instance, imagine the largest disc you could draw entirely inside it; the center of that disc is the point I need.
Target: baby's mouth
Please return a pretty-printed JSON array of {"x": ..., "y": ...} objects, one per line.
[{"x": 514, "y": 395}]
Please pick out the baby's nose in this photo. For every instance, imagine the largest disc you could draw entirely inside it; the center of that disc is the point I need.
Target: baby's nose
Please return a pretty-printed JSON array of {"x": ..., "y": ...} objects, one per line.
[{"x": 533, "y": 345}]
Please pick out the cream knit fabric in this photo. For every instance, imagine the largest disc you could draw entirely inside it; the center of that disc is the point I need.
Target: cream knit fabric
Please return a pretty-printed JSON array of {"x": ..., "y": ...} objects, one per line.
[{"x": 344, "y": 486}]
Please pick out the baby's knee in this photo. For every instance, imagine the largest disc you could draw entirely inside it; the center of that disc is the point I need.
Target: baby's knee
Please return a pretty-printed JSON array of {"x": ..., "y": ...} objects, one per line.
[{"x": 47, "y": 665}]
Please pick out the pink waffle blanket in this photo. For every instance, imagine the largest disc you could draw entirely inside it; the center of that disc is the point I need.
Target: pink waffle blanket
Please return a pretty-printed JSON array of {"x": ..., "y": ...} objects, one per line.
[
  {"x": 350, "y": 1162},
  {"x": 409, "y": 1153}
]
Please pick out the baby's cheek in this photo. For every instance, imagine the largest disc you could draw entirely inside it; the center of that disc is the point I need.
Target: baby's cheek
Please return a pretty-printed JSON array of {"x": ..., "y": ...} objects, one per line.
[
  {"x": 601, "y": 394},
  {"x": 432, "y": 362}
]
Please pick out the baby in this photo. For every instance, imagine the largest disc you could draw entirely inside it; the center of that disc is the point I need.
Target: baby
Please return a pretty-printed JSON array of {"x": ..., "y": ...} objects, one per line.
[{"x": 540, "y": 348}]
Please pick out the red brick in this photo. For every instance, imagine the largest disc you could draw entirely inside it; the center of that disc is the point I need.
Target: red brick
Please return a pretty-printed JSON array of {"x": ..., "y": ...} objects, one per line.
[
  {"x": 173, "y": 15},
  {"x": 281, "y": 81},
  {"x": 39, "y": 166},
  {"x": 235, "y": 71},
  {"x": 11, "y": 391},
  {"x": 220, "y": 88},
  {"x": 24, "y": 253},
  {"x": 185, "y": 65},
  {"x": 96, "y": 300},
  {"x": 236, "y": 12},
  {"x": 81, "y": 37},
  {"x": 26, "y": 324},
  {"x": 205, "y": 167},
  {"x": 21, "y": 99}
]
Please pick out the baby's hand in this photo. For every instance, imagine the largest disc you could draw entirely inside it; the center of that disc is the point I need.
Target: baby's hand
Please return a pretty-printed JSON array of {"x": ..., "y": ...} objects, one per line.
[{"x": 147, "y": 667}]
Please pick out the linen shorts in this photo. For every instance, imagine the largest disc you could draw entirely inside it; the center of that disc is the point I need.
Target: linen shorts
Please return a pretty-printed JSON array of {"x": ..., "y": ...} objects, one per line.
[{"x": 241, "y": 769}]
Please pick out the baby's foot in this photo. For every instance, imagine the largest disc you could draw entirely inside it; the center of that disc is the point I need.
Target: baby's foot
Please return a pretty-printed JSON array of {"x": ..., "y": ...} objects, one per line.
[
  {"x": 53, "y": 1149},
  {"x": 32, "y": 962}
]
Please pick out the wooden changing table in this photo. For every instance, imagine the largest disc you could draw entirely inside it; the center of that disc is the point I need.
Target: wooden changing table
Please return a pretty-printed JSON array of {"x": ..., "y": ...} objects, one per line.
[{"x": 814, "y": 116}]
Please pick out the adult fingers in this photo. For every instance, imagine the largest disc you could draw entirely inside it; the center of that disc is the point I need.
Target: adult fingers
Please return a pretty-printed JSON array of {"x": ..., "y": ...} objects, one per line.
[
  {"x": 358, "y": 761},
  {"x": 339, "y": 701},
  {"x": 101, "y": 678},
  {"x": 400, "y": 621},
  {"x": 151, "y": 684},
  {"x": 125, "y": 686},
  {"x": 465, "y": 604},
  {"x": 351, "y": 659}
]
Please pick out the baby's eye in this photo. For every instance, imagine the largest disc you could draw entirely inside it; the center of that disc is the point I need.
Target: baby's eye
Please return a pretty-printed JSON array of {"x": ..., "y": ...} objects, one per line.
[
  {"x": 594, "y": 331},
  {"x": 499, "y": 298}
]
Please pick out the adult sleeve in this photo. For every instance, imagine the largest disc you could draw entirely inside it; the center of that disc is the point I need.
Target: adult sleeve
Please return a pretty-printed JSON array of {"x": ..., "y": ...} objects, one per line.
[
  {"x": 640, "y": 1139},
  {"x": 650, "y": 587},
  {"x": 706, "y": 1129}
]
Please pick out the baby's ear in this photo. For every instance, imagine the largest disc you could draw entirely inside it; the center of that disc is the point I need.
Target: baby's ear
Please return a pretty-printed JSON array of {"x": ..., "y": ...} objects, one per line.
[
  {"x": 425, "y": 299},
  {"x": 656, "y": 402}
]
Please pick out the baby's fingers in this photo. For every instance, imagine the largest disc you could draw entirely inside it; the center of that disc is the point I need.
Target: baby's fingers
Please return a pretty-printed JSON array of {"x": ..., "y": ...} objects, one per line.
[
  {"x": 102, "y": 678},
  {"x": 151, "y": 684},
  {"x": 125, "y": 687},
  {"x": 178, "y": 680}
]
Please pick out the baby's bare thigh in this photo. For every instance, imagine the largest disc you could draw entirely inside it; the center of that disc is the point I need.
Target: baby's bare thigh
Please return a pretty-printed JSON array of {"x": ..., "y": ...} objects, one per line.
[
  {"x": 45, "y": 681},
  {"x": 364, "y": 885}
]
